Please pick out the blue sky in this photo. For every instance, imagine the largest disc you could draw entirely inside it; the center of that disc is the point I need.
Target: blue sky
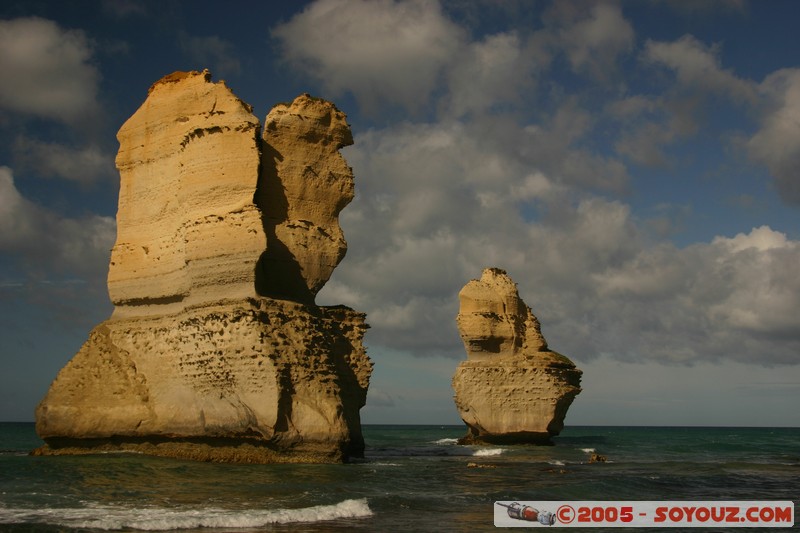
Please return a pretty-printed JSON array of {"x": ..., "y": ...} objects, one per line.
[{"x": 634, "y": 166}]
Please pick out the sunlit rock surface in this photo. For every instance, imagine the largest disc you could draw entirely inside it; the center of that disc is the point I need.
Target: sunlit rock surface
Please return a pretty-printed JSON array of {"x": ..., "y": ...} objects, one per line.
[
  {"x": 215, "y": 349},
  {"x": 511, "y": 388}
]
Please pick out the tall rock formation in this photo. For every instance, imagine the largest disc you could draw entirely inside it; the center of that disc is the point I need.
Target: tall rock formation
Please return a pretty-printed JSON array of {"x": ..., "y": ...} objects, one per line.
[
  {"x": 305, "y": 184},
  {"x": 512, "y": 387},
  {"x": 215, "y": 349},
  {"x": 188, "y": 230}
]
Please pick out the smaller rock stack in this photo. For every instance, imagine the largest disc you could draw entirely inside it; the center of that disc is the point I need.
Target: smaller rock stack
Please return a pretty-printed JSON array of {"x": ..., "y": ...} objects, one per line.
[{"x": 512, "y": 387}]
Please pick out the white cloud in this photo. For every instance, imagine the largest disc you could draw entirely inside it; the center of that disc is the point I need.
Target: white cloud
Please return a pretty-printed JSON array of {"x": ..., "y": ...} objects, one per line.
[
  {"x": 592, "y": 42},
  {"x": 697, "y": 66},
  {"x": 604, "y": 289},
  {"x": 776, "y": 102},
  {"x": 42, "y": 243},
  {"x": 649, "y": 124},
  {"x": 760, "y": 239},
  {"x": 381, "y": 51},
  {"x": 51, "y": 160},
  {"x": 764, "y": 287},
  {"x": 528, "y": 186},
  {"x": 653, "y": 122},
  {"x": 495, "y": 70},
  {"x": 632, "y": 106},
  {"x": 17, "y": 215},
  {"x": 777, "y": 143},
  {"x": 436, "y": 203},
  {"x": 643, "y": 144},
  {"x": 47, "y": 70},
  {"x": 730, "y": 299},
  {"x": 555, "y": 148}
]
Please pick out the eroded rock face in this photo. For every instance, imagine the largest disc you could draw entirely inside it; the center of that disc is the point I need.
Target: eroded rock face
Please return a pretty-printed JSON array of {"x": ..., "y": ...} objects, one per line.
[
  {"x": 305, "y": 184},
  {"x": 211, "y": 352},
  {"x": 188, "y": 230},
  {"x": 511, "y": 388}
]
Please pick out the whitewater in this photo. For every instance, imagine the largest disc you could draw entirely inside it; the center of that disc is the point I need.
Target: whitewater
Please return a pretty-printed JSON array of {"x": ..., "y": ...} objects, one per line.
[{"x": 412, "y": 478}]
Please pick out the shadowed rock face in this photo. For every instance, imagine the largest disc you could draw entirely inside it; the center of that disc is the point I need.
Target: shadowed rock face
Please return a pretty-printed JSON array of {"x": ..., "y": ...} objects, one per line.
[
  {"x": 304, "y": 185},
  {"x": 511, "y": 388},
  {"x": 215, "y": 349}
]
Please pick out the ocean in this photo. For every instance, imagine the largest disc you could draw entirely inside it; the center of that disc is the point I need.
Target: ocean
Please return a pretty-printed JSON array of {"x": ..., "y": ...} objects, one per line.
[{"x": 413, "y": 478}]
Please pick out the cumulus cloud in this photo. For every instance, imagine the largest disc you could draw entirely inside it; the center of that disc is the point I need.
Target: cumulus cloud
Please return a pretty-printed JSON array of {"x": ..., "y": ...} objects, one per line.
[
  {"x": 491, "y": 183},
  {"x": 728, "y": 299},
  {"x": 41, "y": 243},
  {"x": 18, "y": 217},
  {"x": 397, "y": 51},
  {"x": 651, "y": 123},
  {"x": 421, "y": 190},
  {"x": 600, "y": 283},
  {"x": 436, "y": 203},
  {"x": 490, "y": 72},
  {"x": 775, "y": 103},
  {"x": 777, "y": 142},
  {"x": 383, "y": 51},
  {"x": 555, "y": 144},
  {"x": 47, "y": 71},
  {"x": 592, "y": 40},
  {"x": 53, "y": 160},
  {"x": 644, "y": 143},
  {"x": 765, "y": 290},
  {"x": 697, "y": 66}
]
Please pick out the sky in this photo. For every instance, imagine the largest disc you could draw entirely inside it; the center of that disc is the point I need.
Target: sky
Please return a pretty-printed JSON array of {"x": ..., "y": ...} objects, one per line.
[{"x": 634, "y": 166}]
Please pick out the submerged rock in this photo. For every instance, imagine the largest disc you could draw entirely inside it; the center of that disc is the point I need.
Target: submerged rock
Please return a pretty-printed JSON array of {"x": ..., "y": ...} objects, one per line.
[
  {"x": 597, "y": 458},
  {"x": 512, "y": 387},
  {"x": 215, "y": 349}
]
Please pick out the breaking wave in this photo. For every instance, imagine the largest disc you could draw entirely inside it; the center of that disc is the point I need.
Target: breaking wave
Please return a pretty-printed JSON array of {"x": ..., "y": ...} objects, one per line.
[
  {"x": 445, "y": 441},
  {"x": 488, "y": 452},
  {"x": 161, "y": 519}
]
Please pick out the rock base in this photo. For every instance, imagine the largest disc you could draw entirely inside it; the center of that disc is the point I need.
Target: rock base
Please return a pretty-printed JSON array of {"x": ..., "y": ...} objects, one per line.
[
  {"x": 206, "y": 450},
  {"x": 518, "y": 399},
  {"x": 259, "y": 380}
]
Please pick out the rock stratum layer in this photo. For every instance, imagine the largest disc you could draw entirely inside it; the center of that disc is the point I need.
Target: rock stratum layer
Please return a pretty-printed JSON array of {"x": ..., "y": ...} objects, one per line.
[
  {"x": 215, "y": 349},
  {"x": 512, "y": 387}
]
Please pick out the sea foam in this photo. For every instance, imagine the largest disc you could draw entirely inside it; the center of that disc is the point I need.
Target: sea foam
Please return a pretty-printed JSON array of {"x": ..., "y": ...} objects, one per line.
[
  {"x": 161, "y": 519},
  {"x": 488, "y": 452}
]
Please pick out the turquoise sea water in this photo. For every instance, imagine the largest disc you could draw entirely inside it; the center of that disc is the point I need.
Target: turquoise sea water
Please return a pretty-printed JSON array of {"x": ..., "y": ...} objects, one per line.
[{"x": 413, "y": 478}]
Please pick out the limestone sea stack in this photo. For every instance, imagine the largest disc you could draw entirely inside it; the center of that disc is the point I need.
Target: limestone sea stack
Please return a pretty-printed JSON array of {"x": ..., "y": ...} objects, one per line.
[
  {"x": 512, "y": 387},
  {"x": 215, "y": 349}
]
